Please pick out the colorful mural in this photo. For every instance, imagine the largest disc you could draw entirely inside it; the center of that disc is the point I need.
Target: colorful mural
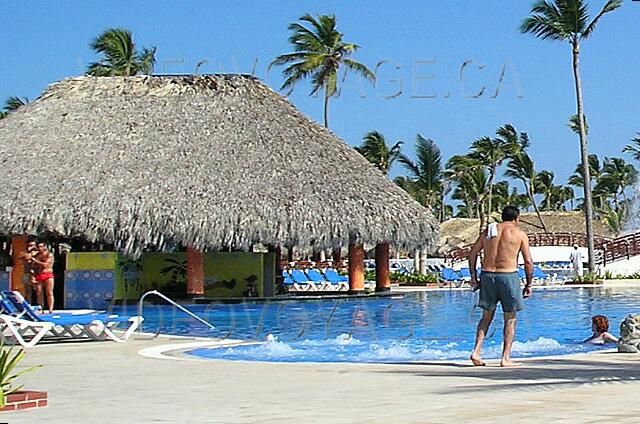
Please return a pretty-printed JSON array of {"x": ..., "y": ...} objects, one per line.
[{"x": 227, "y": 274}]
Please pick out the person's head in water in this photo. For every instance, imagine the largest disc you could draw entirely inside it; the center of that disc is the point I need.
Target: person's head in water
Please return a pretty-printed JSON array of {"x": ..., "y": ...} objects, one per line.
[
  {"x": 599, "y": 324},
  {"x": 510, "y": 214}
]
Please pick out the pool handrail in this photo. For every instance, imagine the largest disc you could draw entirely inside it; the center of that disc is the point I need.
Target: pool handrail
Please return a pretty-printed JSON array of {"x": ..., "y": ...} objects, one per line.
[{"x": 182, "y": 308}]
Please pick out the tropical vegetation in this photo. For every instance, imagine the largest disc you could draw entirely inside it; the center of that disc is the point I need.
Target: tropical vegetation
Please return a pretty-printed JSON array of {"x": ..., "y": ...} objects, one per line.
[
  {"x": 119, "y": 56},
  {"x": 497, "y": 170},
  {"x": 12, "y": 104},
  {"x": 9, "y": 359},
  {"x": 569, "y": 21},
  {"x": 374, "y": 147},
  {"x": 319, "y": 52}
]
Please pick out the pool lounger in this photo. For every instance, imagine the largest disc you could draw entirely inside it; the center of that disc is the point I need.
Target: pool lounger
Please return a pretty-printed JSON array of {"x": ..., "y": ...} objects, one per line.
[
  {"x": 20, "y": 320},
  {"x": 302, "y": 282},
  {"x": 322, "y": 283},
  {"x": 335, "y": 278}
]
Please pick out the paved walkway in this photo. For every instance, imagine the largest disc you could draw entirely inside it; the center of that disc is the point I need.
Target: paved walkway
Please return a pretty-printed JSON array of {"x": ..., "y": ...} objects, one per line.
[{"x": 105, "y": 382}]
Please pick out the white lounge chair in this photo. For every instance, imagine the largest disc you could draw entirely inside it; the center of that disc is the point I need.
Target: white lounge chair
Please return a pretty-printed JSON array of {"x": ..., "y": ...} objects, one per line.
[{"x": 19, "y": 319}]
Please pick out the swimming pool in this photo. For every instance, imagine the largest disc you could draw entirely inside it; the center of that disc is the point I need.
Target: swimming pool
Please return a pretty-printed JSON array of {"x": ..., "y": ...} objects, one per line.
[{"x": 435, "y": 325}]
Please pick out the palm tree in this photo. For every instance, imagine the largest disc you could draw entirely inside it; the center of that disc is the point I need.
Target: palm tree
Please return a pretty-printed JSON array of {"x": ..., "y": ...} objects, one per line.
[
  {"x": 574, "y": 124},
  {"x": 600, "y": 190},
  {"x": 634, "y": 147},
  {"x": 502, "y": 196},
  {"x": 120, "y": 57},
  {"x": 425, "y": 174},
  {"x": 521, "y": 167},
  {"x": 375, "y": 149},
  {"x": 491, "y": 152},
  {"x": 613, "y": 218},
  {"x": 12, "y": 104},
  {"x": 618, "y": 175},
  {"x": 470, "y": 187},
  {"x": 319, "y": 52},
  {"x": 544, "y": 185},
  {"x": 459, "y": 170},
  {"x": 595, "y": 170},
  {"x": 568, "y": 20}
]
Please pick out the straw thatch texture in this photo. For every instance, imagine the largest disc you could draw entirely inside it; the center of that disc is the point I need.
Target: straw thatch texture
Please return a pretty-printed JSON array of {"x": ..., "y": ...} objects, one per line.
[{"x": 217, "y": 161}]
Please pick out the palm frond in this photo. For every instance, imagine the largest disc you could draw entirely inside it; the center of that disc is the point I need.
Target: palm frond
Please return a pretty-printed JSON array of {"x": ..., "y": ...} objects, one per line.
[
  {"x": 633, "y": 148},
  {"x": 360, "y": 69},
  {"x": 574, "y": 124},
  {"x": 119, "y": 55},
  {"x": 609, "y": 6},
  {"x": 146, "y": 60},
  {"x": 13, "y": 103}
]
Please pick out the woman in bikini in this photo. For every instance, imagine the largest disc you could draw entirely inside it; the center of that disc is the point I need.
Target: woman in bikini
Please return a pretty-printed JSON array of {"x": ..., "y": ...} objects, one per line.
[{"x": 44, "y": 275}]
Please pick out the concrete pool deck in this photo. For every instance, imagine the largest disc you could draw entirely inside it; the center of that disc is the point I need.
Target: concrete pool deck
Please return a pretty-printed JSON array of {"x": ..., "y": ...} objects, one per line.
[{"x": 105, "y": 382}]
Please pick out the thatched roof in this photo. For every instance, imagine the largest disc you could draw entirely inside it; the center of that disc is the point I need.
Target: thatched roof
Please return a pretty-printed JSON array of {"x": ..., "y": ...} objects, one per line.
[
  {"x": 459, "y": 232},
  {"x": 217, "y": 161}
]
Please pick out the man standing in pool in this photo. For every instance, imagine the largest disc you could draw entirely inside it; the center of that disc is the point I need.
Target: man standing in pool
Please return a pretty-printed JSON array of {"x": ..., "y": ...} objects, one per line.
[{"x": 499, "y": 282}]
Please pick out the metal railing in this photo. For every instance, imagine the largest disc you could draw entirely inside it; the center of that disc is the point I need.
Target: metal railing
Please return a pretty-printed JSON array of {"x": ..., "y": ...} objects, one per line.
[
  {"x": 618, "y": 249},
  {"x": 607, "y": 250},
  {"x": 540, "y": 239},
  {"x": 182, "y": 308}
]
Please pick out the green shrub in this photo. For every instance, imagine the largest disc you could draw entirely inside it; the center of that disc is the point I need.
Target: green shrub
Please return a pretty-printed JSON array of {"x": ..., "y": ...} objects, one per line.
[
  {"x": 414, "y": 279},
  {"x": 406, "y": 279},
  {"x": 585, "y": 279},
  {"x": 8, "y": 361}
]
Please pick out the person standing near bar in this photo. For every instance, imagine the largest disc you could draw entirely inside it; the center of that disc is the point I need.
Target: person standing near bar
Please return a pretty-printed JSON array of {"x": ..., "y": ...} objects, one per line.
[
  {"x": 28, "y": 278},
  {"x": 44, "y": 276}
]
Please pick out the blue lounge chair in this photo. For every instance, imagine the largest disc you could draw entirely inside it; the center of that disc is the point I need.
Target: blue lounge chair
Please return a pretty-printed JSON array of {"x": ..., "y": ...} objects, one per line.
[
  {"x": 334, "y": 278},
  {"x": 320, "y": 282},
  {"x": 291, "y": 284},
  {"x": 301, "y": 281},
  {"x": 18, "y": 317},
  {"x": 465, "y": 274},
  {"x": 538, "y": 274},
  {"x": 448, "y": 274},
  {"x": 521, "y": 274},
  {"x": 288, "y": 281}
]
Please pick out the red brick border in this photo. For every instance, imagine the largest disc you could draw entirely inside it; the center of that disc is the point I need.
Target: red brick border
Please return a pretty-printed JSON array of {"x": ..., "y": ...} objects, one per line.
[{"x": 25, "y": 399}]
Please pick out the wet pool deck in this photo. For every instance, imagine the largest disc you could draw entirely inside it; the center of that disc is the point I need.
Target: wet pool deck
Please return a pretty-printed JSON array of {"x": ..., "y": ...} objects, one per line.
[{"x": 105, "y": 382}]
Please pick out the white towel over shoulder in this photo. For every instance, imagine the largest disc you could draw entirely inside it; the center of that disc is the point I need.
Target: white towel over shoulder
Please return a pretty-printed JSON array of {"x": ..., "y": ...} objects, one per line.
[{"x": 492, "y": 230}]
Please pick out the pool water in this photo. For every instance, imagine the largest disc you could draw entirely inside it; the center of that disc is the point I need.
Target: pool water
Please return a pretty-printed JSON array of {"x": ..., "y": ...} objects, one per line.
[{"x": 420, "y": 326}]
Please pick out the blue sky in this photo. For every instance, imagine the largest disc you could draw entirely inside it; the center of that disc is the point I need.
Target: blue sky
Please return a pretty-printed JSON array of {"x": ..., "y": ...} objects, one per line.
[{"x": 421, "y": 47}]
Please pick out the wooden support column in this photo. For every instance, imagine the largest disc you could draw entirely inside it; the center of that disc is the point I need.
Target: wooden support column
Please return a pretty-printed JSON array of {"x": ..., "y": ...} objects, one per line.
[
  {"x": 195, "y": 272},
  {"x": 336, "y": 255},
  {"x": 18, "y": 248},
  {"x": 382, "y": 267},
  {"x": 290, "y": 254},
  {"x": 356, "y": 268}
]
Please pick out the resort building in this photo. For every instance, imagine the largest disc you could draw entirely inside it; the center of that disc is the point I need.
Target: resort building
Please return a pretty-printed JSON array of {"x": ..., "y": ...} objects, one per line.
[{"x": 191, "y": 164}]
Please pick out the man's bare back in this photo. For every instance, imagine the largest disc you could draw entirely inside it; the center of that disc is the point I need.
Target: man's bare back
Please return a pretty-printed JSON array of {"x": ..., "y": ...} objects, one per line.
[{"x": 501, "y": 252}]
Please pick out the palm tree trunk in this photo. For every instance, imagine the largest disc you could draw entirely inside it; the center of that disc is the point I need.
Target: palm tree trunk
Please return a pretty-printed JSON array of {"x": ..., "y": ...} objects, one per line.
[
  {"x": 588, "y": 205},
  {"x": 535, "y": 206},
  {"x": 326, "y": 110},
  {"x": 484, "y": 218},
  {"x": 625, "y": 200}
]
